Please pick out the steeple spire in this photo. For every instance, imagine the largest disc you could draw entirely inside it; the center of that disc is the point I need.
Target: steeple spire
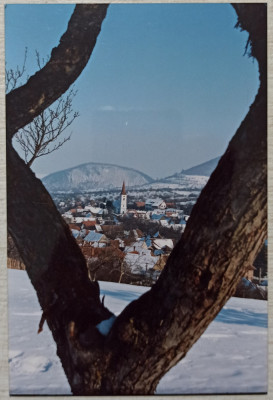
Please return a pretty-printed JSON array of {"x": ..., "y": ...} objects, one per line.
[{"x": 123, "y": 191}]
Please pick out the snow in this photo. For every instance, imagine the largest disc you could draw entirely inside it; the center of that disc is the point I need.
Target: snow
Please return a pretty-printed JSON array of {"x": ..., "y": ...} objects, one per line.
[
  {"x": 93, "y": 237},
  {"x": 179, "y": 181},
  {"x": 139, "y": 258},
  {"x": 160, "y": 243},
  {"x": 230, "y": 357},
  {"x": 105, "y": 325}
]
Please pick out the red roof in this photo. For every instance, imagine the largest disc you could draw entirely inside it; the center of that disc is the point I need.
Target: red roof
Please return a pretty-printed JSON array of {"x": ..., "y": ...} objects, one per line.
[
  {"x": 75, "y": 227},
  {"x": 140, "y": 203},
  {"x": 102, "y": 251},
  {"x": 89, "y": 223}
]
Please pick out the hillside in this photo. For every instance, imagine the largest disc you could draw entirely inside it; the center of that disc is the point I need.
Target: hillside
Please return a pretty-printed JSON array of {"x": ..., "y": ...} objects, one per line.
[
  {"x": 101, "y": 177},
  {"x": 204, "y": 169},
  {"x": 94, "y": 177},
  {"x": 189, "y": 179}
]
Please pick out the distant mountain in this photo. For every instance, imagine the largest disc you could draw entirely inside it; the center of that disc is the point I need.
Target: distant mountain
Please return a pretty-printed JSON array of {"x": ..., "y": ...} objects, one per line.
[
  {"x": 94, "y": 176},
  {"x": 192, "y": 178},
  {"x": 179, "y": 181},
  {"x": 204, "y": 169}
]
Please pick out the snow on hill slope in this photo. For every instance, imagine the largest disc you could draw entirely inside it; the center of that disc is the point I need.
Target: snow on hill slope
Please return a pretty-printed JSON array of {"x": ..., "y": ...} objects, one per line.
[
  {"x": 179, "y": 181},
  {"x": 99, "y": 176},
  {"x": 230, "y": 357},
  {"x": 94, "y": 177},
  {"x": 192, "y": 178},
  {"x": 204, "y": 169}
]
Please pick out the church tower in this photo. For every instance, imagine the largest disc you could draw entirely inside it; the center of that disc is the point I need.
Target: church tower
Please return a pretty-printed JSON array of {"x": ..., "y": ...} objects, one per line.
[{"x": 123, "y": 200}]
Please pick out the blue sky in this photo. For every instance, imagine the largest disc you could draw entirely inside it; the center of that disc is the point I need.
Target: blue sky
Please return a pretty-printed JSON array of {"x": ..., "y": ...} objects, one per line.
[{"x": 165, "y": 88}]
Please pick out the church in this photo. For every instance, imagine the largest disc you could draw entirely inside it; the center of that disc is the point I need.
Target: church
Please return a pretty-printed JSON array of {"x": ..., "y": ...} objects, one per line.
[{"x": 120, "y": 205}]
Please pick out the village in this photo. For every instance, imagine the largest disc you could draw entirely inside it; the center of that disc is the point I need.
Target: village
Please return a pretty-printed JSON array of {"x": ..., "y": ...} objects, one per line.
[
  {"x": 130, "y": 242},
  {"x": 128, "y": 239},
  {"x": 121, "y": 243}
]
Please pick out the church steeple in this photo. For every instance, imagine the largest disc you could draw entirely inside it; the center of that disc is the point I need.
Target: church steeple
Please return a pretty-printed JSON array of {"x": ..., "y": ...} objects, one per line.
[
  {"x": 123, "y": 191},
  {"x": 123, "y": 200}
]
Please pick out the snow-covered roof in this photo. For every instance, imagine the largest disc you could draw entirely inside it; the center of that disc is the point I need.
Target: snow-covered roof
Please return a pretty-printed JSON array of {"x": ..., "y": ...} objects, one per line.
[
  {"x": 75, "y": 233},
  {"x": 160, "y": 243},
  {"x": 157, "y": 217},
  {"x": 93, "y": 237},
  {"x": 140, "y": 260},
  {"x": 78, "y": 220},
  {"x": 154, "y": 202},
  {"x": 158, "y": 252}
]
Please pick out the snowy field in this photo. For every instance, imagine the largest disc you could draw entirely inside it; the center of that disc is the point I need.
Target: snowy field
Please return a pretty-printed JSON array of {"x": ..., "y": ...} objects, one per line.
[{"x": 230, "y": 357}]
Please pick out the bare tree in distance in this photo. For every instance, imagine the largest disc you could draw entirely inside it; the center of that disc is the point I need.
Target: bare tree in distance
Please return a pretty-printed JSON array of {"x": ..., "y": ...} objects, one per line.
[
  {"x": 226, "y": 229},
  {"x": 13, "y": 76},
  {"x": 44, "y": 134}
]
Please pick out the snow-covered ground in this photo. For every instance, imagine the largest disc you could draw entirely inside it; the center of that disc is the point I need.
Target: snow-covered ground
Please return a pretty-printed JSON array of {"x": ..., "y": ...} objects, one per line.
[{"x": 230, "y": 357}]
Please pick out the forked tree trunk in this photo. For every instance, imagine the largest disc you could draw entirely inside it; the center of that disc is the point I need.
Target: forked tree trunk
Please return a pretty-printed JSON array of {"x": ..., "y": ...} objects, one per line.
[{"x": 226, "y": 229}]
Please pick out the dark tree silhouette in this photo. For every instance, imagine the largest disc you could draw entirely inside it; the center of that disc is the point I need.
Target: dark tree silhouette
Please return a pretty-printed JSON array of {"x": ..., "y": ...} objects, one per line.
[{"x": 226, "y": 230}]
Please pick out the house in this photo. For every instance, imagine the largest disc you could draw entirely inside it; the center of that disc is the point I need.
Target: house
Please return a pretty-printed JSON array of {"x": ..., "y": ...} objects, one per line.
[
  {"x": 78, "y": 220},
  {"x": 139, "y": 259},
  {"x": 170, "y": 205},
  {"x": 152, "y": 204},
  {"x": 75, "y": 227},
  {"x": 102, "y": 251},
  {"x": 96, "y": 211},
  {"x": 158, "y": 217},
  {"x": 94, "y": 237},
  {"x": 91, "y": 225},
  {"x": 141, "y": 214},
  {"x": 132, "y": 213},
  {"x": 75, "y": 233},
  {"x": 98, "y": 228},
  {"x": 163, "y": 244},
  {"x": 160, "y": 264},
  {"x": 69, "y": 219},
  {"x": 112, "y": 229},
  {"x": 140, "y": 204}
]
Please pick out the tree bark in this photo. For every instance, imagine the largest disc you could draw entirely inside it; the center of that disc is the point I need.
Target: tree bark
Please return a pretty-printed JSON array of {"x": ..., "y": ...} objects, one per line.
[{"x": 226, "y": 229}]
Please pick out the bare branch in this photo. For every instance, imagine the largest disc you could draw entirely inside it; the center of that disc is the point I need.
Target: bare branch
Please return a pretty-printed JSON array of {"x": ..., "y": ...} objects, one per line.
[
  {"x": 42, "y": 136},
  {"x": 14, "y": 75}
]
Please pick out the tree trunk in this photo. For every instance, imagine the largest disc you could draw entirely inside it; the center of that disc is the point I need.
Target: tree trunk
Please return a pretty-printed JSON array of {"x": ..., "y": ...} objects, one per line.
[
  {"x": 226, "y": 229},
  {"x": 65, "y": 65}
]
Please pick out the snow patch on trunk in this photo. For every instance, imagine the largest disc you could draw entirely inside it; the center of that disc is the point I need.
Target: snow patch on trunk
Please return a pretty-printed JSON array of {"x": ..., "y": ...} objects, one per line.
[{"x": 105, "y": 325}]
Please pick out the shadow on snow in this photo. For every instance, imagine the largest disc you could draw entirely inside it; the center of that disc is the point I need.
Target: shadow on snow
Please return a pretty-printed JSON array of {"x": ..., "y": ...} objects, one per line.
[{"x": 230, "y": 316}]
